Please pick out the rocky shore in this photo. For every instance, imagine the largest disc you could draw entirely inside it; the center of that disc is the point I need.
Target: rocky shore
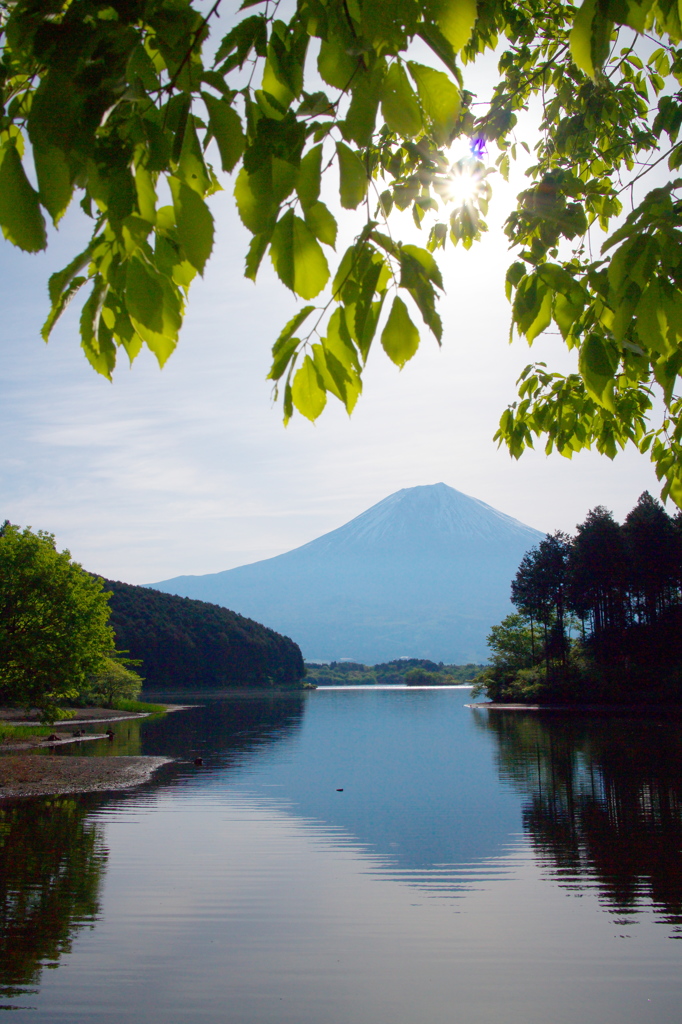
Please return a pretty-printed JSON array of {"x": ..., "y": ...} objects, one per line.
[
  {"x": 24, "y": 772},
  {"x": 24, "y": 775}
]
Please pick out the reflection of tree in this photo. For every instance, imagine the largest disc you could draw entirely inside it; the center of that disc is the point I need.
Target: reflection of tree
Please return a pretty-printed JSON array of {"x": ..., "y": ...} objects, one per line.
[
  {"x": 604, "y": 803},
  {"x": 51, "y": 866},
  {"x": 228, "y": 728}
]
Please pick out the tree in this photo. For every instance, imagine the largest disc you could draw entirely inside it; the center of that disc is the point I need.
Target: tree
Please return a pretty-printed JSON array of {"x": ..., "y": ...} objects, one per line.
[
  {"x": 655, "y": 557},
  {"x": 512, "y": 647},
  {"x": 539, "y": 590},
  {"x": 113, "y": 101},
  {"x": 113, "y": 682},
  {"x": 598, "y": 570},
  {"x": 54, "y": 616}
]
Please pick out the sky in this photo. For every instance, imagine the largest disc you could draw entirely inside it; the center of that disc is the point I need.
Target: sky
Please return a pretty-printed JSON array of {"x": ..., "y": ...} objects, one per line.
[{"x": 189, "y": 469}]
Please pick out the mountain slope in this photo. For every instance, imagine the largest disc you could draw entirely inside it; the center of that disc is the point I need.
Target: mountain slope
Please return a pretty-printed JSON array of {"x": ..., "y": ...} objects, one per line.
[
  {"x": 192, "y": 645},
  {"x": 424, "y": 573}
]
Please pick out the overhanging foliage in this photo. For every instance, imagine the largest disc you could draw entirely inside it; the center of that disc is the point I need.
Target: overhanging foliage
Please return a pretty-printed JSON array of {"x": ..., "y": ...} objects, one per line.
[{"x": 113, "y": 102}]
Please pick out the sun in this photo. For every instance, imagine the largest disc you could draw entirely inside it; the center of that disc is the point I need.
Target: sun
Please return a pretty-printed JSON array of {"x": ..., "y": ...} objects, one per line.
[{"x": 463, "y": 182}]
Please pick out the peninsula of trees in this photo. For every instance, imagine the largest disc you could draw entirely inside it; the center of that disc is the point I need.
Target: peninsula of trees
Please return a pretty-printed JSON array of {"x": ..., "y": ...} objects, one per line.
[
  {"x": 599, "y": 616},
  {"x": 411, "y": 671},
  {"x": 185, "y": 644}
]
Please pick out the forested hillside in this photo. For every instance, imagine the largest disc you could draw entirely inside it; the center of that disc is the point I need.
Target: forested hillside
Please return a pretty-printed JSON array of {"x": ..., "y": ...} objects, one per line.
[{"x": 192, "y": 645}]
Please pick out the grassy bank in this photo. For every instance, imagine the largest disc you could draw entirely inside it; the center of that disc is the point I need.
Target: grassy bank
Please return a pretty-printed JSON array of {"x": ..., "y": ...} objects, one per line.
[{"x": 139, "y": 706}]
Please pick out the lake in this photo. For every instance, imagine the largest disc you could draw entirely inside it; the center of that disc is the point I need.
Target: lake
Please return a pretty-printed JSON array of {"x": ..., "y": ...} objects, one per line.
[{"x": 356, "y": 856}]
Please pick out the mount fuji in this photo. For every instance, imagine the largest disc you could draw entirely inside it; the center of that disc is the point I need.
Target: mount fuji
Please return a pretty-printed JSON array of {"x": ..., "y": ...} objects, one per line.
[{"x": 424, "y": 573}]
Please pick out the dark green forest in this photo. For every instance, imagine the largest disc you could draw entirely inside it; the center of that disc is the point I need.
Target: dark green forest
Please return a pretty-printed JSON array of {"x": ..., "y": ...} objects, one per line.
[
  {"x": 354, "y": 673},
  {"x": 599, "y": 614},
  {"x": 185, "y": 644}
]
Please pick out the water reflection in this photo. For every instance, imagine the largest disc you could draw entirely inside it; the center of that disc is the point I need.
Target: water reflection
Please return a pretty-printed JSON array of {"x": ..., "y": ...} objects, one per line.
[
  {"x": 52, "y": 861},
  {"x": 603, "y": 804},
  {"x": 224, "y": 728},
  {"x": 52, "y": 855}
]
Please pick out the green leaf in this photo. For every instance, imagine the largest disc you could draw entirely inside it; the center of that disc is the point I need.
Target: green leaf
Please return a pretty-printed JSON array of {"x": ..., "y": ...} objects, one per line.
[
  {"x": 435, "y": 39},
  {"x": 194, "y": 223},
  {"x": 226, "y": 128},
  {"x": 361, "y": 117},
  {"x": 60, "y": 304},
  {"x": 426, "y": 260},
  {"x": 254, "y": 257},
  {"x": 335, "y": 65},
  {"x": 274, "y": 86},
  {"x": 400, "y": 338},
  {"x": 259, "y": 194},
  {"x": 282, "y": 354},
  {"x": 146, "y": 194},
  {"x": 55, "y": 187},
  {"x": 309, "y": 177},
  {"x": 191, "y": 167},
  {"x": 399, "y": 104},
  {"x": 144, "y": 295},
  {"x": 339, "y": 342},
  {"x": 590, "y": 36},
  {"x": 238, "y": 43},
  {"x": 598, "y": 365},
  {"x": 580, "y": 38},
  {"x": 322, "y": 223},
  {"x": 297, "y": 257},
  {"x": 154, "y": 307},
  {"x": 417, "y": 280},
  {"x": 21, "y": 221},
  {"x": 456, "y": 20},
  {"x": 282, "y": 350},
  {"x": 307, "y": 390},
  {"x": 440, "y": 99},
  {"x": 353, "y": 181},
  {"x": 96, "y": 339}
]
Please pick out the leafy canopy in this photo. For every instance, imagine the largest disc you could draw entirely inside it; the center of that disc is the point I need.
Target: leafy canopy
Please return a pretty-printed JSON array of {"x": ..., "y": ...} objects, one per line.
[
  {"x": 54, "y": 623},
  {"x": 114, "y": 102}
]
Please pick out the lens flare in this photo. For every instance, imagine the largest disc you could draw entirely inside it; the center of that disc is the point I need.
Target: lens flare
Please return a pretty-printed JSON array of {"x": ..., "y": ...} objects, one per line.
[{"x": 463, "y": 183}]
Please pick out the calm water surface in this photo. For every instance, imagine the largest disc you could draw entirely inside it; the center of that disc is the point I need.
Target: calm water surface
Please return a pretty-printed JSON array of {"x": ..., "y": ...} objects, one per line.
[{"x": 476, "y": 867}]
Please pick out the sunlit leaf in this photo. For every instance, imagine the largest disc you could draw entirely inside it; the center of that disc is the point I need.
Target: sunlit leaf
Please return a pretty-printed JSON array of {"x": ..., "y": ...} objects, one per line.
[
  {"x": 456, "y": 20},
  {"x": 353, "y": 179},
  {"x": 307, "y": 390},
  {"x": 322, "y": 223},
  {"x": 440, "y": 99},
  {"x": 297, "y": 257},
  {"x": 399, "y": 105},
  {"x": 226, "y": 127},
  {"x": 400, "y": 338},
  {"x": 194, "y": 223},
  {"x": 598, "y": 365}
]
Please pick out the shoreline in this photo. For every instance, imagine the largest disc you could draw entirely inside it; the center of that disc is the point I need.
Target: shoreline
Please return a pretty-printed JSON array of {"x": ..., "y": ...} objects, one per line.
[
  {"x": 24, "y": 773},
  {"x": 626, "y": 709},
  {"x": 31, "y": 775}
]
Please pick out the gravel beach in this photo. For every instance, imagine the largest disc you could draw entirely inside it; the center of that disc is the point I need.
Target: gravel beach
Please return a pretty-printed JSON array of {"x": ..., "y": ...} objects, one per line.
[
  {"x": 36, "y": 775},
  {"x": 24, "y": 773}
]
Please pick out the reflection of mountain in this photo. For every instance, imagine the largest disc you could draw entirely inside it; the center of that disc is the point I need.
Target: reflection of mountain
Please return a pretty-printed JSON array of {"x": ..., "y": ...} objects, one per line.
[
  {"x": 604, "y": 803},
  {"x": 419, "y": 788},
  {"x": 51, "y": 866}
]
